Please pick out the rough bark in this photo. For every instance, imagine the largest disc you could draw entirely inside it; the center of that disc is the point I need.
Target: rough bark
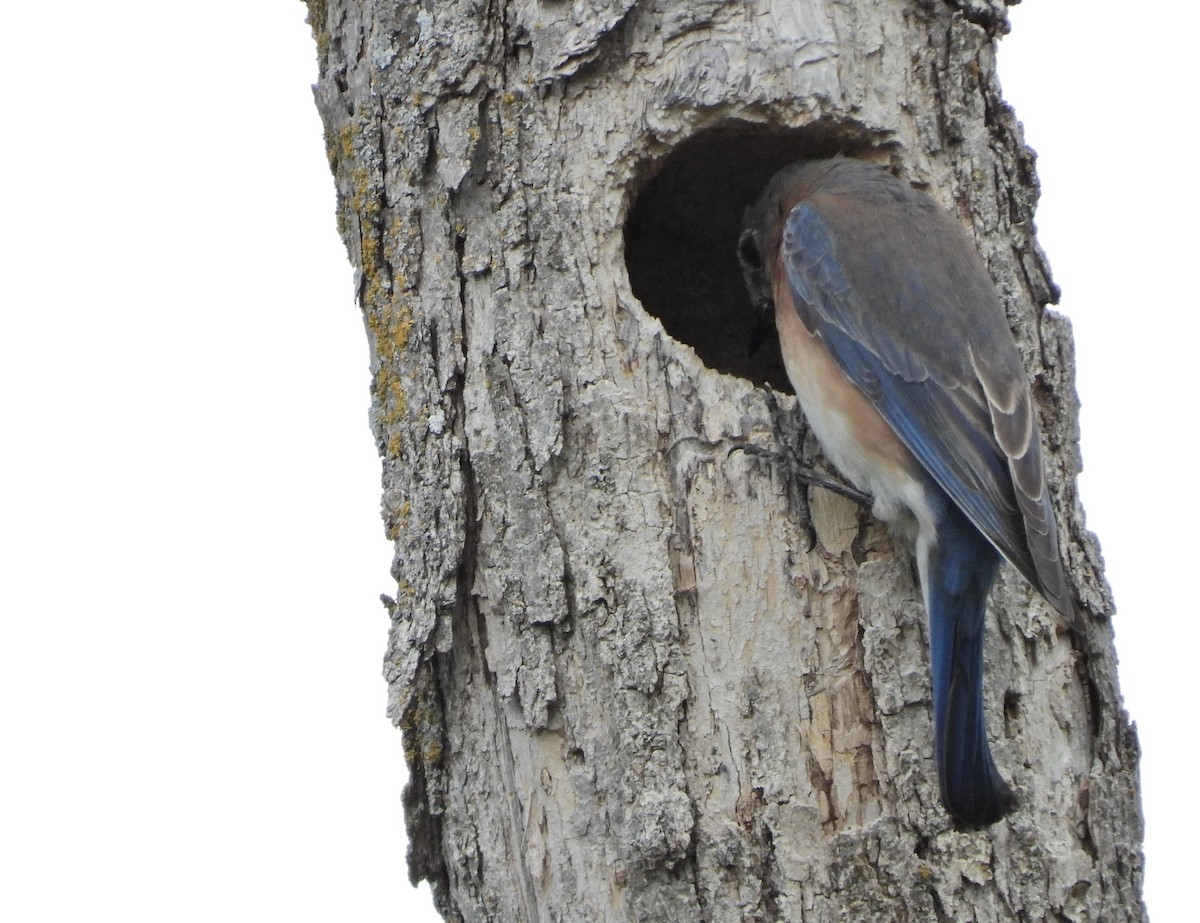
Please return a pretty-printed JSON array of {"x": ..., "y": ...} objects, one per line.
[{"x": 643, "y": 672}]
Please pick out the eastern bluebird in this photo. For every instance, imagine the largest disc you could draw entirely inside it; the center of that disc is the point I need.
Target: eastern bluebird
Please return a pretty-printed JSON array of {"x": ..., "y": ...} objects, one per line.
[{"x": 903, "y": 362}]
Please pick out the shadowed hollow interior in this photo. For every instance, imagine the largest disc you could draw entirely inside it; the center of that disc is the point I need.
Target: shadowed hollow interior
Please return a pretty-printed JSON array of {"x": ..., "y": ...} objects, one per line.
[{"x": 682, "y": 231}]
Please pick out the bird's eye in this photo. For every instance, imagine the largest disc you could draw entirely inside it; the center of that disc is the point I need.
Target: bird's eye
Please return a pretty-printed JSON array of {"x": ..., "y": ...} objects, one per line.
[{"x": 748, "y": 251}]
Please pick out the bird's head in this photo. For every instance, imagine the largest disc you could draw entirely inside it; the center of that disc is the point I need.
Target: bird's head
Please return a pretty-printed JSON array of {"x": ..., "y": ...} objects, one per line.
[{"x": 753, "y": 259}]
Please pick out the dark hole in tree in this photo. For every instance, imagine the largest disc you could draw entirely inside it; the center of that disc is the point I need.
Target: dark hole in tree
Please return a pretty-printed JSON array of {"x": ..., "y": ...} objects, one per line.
[{"x": 682, "y": 233}]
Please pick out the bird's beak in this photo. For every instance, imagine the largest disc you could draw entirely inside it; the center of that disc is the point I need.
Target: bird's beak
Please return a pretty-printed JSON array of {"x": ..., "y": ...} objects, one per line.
[{"x": 764, "y": 325}]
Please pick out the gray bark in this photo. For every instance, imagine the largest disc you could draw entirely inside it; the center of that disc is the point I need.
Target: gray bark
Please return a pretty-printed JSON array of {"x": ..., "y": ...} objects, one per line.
[{"x": 644, "y": 672}]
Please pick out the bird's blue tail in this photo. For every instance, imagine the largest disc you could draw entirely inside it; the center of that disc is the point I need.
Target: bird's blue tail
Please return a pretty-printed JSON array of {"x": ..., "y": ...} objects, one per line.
[{"x": 959, "y": 572}]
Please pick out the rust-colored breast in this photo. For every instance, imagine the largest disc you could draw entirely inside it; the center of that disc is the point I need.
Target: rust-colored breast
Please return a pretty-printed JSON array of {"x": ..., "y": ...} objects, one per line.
[{"x": 852, "y": 432}]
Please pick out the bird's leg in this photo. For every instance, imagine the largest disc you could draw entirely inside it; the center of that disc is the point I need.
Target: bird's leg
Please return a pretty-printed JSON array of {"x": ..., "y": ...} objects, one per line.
[
  {"x": 809, "y": 475},
  {"x": 792, "y": 436}
]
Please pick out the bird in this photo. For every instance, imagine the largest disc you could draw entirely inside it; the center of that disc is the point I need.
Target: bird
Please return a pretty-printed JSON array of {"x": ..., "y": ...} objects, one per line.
[{"x": 905, "y": 367}]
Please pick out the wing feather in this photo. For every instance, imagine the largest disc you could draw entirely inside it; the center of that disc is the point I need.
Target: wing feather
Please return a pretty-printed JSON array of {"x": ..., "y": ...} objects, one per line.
[{"x": 896, "y": 311}]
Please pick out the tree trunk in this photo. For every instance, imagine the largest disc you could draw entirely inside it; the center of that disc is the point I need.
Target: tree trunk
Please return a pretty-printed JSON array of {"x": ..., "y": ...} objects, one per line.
[{"x": 643, "y": 671}]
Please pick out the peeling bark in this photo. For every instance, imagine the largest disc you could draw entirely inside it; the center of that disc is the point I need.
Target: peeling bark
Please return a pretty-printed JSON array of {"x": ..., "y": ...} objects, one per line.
[{"x": 644, "y": 672}]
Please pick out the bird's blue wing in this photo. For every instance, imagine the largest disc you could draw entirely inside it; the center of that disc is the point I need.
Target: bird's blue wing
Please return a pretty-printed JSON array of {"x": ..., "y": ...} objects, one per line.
[{"x": 894, "y": 330}]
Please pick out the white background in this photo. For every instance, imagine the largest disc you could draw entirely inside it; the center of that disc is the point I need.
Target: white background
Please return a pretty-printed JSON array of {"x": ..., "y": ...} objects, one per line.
[{"x": 190, "y": 692}]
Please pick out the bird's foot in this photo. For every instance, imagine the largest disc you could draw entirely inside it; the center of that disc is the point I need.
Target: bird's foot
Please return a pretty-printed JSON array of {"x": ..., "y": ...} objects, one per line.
[{"x": 807, "y": 474}]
